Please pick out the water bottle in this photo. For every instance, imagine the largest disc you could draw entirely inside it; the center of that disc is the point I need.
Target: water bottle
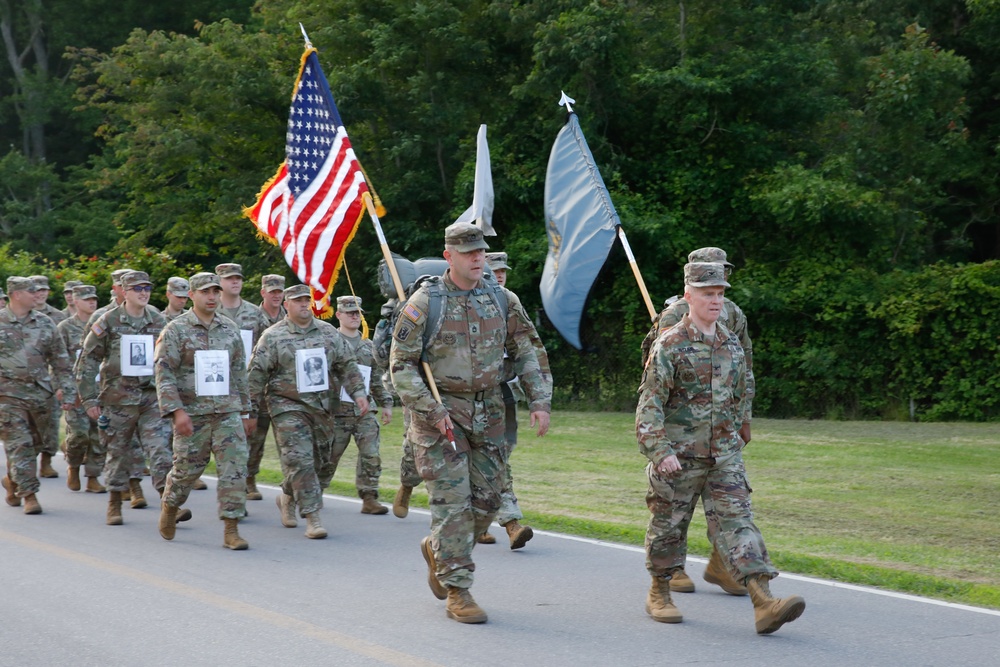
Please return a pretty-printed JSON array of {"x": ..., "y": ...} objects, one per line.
[{"x": 102, "y": 422}]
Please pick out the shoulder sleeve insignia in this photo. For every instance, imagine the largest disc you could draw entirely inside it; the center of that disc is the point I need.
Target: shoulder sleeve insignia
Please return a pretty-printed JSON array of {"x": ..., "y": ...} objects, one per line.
[
  {"x": 97, "y": 329},
  {"x": 413, "y": 313},
  {"x": 403, "y": 331}
]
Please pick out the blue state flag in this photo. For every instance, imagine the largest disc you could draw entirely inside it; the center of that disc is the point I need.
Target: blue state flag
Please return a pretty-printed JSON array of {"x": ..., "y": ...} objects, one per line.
[{"x": 581, "y": 223}]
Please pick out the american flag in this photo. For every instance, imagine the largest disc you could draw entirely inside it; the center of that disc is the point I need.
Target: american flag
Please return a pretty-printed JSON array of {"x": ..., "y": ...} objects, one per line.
[{"x": 313, "y": 205}]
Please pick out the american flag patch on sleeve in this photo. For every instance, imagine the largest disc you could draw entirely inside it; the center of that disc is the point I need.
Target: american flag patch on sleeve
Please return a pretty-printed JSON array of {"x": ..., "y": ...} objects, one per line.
[{"x": 413, "y": 313}]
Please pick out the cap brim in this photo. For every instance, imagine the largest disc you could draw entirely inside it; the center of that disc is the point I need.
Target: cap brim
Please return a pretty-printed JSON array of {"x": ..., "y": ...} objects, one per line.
[{"x": 469, "y": 247}]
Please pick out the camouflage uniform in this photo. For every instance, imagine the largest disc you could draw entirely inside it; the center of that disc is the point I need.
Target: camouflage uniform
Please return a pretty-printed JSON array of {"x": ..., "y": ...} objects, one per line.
[
  {"x": 50, "y": 429},
  {"x": 466, "y": 358},
  {"x": 303, "y": 422},
  {"x": 178, "y": 287},
  {"x": 129, "y": 402},
  {"x": 217, "y": 425},
  {"x": 29, "y": 348},
  {"x": 270, "y": 283}
]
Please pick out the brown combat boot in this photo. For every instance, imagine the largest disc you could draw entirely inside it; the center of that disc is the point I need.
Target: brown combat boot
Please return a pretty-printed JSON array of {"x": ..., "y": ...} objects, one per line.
[
  {"x": 232, "y": 539},
  {"x": 93, "y": 486},
  {"x": 401, "y": 503},
  {"x": 11, "y": 488},
  {"x": 681, "y": 582},
  {"x": 199, "y": 485},
  {"x": 168, "y": 521},
  {"x": 717, "y": 573},
  {"x": 252, "y": 492},
  {"x": 45, "y": 469},
  {"x": 138, "y": 500},
  {"x": 518, "y": 534},
  {"x": 183, "y": 514},
  {"x": 73, "y": 478},
  {"x": 462, "y": 607},
  {"x": 314, "y": 529},
  {"x": 486, "y": 538},
  {"x": 114, "y": 517},
  {"x": 437, "y": 588},
  {"x": 371, "y": 505},
  {"x": 286, "y": 505},
  {"x": 658, "y": 602},
  {"x": 31, "y": 505},
  {"x": 770, "y": 613}
]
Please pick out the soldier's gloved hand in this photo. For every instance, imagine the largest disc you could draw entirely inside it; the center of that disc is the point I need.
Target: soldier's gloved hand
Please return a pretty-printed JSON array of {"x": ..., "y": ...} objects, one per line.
[
  {"x": 745, "y": 433},
  {"x": 387, "y": 415},
  {"x": 543, "y": 422}
]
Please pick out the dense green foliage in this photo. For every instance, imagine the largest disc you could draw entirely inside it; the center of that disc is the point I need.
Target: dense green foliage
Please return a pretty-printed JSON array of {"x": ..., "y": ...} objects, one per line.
[{"x": 844, "y": 153}]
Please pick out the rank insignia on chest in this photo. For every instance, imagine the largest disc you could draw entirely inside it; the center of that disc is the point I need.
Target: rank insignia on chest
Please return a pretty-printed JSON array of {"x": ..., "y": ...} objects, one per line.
[
  {"x": 413, "y": 313},
  {"x": 474, "y": 328}
]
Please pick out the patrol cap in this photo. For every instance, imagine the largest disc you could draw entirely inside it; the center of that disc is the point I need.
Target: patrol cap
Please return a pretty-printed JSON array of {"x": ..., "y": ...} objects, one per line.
[
  {"x": 496, "y": 260},
  {"x": 21, "y": 284},
  {"x": 464, "y": 237},
  {"x": 297, "y": 292},
  {"x": 349, "y": 304},
  {"x": 717, "y": 255},
  {"x": 705, "y": 274},
  {"x": 84, "y": 292},
  {"x": 41, "y": 282},
  {"x": 227, "y": 270},
  {"x": 204, "y": 280},
  {"x": 134, "y": 278},
  {"x": 116, "y": 276},
  {"x": 178, "y": 286},
  {"x": 70, "y": 284},
  {"x": 272, "y": 282}
]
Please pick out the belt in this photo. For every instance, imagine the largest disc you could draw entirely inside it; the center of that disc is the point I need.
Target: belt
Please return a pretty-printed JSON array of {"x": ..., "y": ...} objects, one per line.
[{"x": 473, "y": 395}]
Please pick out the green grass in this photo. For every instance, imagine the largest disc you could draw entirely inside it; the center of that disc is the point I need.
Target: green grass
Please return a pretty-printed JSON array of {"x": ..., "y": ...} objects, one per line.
[{"x": 906, "y": 507}]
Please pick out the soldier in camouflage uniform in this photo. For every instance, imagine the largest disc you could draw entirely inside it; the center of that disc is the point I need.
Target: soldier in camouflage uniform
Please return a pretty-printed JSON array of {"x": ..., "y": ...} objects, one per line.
[
  {"x": 301, "y": 411},
  {"x": 272, "y": 293},
  {"x": 84, "y": 446},
  {"x": 29, "y": 347},
  {"x": 177, "y": 297},
  {"x": 351, "y": 421},
  {"x": 201, "y": 385},
  {"x": 70, "y": 309},
  {"x": 127, "y": 395},
  {"x": 3, "y": 298},
  {"x": 465, "y": 356},
  {"x": 252, "y": 323},
  {"x": 50, "y": 430},
  {"x": 692, "y": 403},
  {"x": 735, "y": 320}
]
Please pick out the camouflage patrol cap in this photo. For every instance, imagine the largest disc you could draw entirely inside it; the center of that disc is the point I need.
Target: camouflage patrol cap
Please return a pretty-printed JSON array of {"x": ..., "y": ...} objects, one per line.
[
  {"x": 464, "y": 237},
  {"x": 178, "y": 286},
  {"x": 227, "y": 270},
  {"x": 135, "y": 278},
  {"x": 717, "y": 255},
  {"x": 70, "y": 284},
  {"x": 272, "y": 282},
  {"x": 297, "y": 292},
  {"x": 349, "y": 304},
  {"x": 41, "y": 282},
  {"x": 705, "y": 274},
  {"x": 497, "y": 260},
  {"x": 116, "y": 276},
  {"x": 84, "y": 292},
  {"x": 204, "y": 280},
  {"x": 20, "y": 284}
]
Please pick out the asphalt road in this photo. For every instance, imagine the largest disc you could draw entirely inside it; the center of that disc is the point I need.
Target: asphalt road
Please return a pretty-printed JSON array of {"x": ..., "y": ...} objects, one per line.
[{"x": 78, "y": 592}]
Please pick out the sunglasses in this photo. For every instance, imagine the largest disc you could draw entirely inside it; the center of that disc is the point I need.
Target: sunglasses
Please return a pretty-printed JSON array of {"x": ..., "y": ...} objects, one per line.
[{"x": 142, "y": 288}]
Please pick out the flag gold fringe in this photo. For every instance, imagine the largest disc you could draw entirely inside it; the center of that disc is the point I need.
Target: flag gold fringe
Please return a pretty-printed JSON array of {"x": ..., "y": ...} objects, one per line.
[{"x": 324, "y": 311}]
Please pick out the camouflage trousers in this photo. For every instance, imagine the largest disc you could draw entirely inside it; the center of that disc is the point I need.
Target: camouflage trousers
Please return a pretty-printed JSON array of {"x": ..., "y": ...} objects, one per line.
[
  {"x": 725, "y": 493},
  {"x": 305, "y": 440},
  {"x": 49, "y": 428},
  {"x": 255, "y": 443},
  {"x": 365, "y": 431},
  {"x": 134, "y": 431},
  {"x": 509, "y": 509},
  {"x": 408, "y": 473},
  {"x": 84, "y": 446},
  {"x": 223, "y": 436},
  {"x": 21, "y": 427},
  {"x": 464, "y": 484}
]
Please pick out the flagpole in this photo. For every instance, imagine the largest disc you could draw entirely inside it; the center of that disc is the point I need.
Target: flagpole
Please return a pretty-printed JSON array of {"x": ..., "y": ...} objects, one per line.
[
  {"x": 401, "y": 295},
  {"x": 638, "y": 276}
]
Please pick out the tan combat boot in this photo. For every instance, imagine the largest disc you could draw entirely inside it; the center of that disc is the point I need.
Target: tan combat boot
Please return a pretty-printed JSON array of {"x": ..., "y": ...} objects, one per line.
[
  {"x": 199, "y": 485},
  {"x": 93, "y": 486},
  {"x": 486, "y": 538},
  {"x": 286, "y": 505},
  {"x": 658, "y": 602},
  {"x": 114, "y": 517},
  {"x": 252, "y": 492},
  {"x": 770, "y": 613},
  {"x": 462, "y": 607},
  {"x": 138, "y": 500},
  {"x": 73, "y": 478},
  {"x": 717, "y": 573},
  {"x": 681, "y": 582},
  {"x": 11, "y": 488},
  {"x": 31, "y": 505},
  {"x": 168, "y": 521},
  {"x": 437, "y": 588},
  {"x": 371, "y": 505},
  {"x": 401, "y": 503},
  {"x": 518, "y": 534},
  {"x": 232, "y": 539},
  {"x": 314, "y": 529},
  {"x": 45, "y": 469},
  {"x": 183, "y": 514}
]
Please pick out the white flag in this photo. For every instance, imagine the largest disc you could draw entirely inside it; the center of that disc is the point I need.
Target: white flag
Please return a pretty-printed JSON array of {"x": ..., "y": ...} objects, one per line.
[{"x": 481, "y": 212}]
